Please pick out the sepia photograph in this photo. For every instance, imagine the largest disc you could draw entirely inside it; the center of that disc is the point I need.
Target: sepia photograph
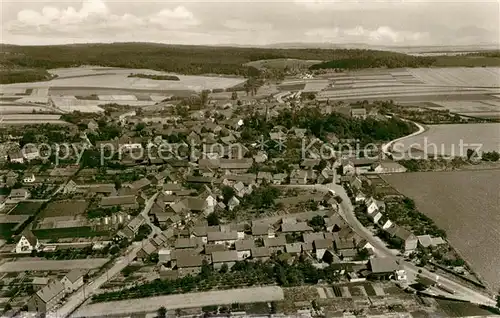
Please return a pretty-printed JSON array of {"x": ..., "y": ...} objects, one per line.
[{"x": 249, "y": 158}]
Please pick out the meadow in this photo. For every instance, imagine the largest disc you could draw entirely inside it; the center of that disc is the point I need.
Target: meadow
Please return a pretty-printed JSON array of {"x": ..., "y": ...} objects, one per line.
[{"x": 465, "y": 205}]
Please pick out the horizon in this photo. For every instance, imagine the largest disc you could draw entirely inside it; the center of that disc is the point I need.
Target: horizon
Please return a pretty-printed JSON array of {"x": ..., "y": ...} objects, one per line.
[{"x": 384, "y": 23}]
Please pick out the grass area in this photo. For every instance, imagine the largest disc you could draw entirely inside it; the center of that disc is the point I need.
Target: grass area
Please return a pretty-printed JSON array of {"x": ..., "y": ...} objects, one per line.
[
  {"x": 64, "y": 208},
  {"x": 58, "y": 233},
  {"x": 6, "y": 229},
  {"x": 26, "y": 208}
]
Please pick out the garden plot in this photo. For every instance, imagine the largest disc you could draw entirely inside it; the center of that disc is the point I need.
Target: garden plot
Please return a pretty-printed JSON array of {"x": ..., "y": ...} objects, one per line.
[
  {"x": 64, "y": 208},
  {"x": 46, "y": 265},
  {"x": 17, "y": 109}
]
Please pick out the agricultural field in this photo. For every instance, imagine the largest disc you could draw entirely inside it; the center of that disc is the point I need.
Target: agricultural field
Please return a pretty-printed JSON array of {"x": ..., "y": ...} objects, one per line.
[
  {"x": 26, "y": 208},
  {"x": 118, "y": 79},
  {"x": 447, "y": 139},
  {"x": 69, "y": 232},
  {"x": 465, "y": 205},
  {"x": 51, "y": 265},
  {"x": 479, "y": 108},
  {"x": 64, "y": 208}
]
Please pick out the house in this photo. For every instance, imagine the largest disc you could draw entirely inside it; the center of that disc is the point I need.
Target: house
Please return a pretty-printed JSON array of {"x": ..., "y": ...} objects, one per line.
[
  {"x": 410, "y": 241},
  {"x": 293, "y": 248},
  {"x": 388, "y": 167},
  {"x": 364, "y": 244},
  {"x": 197, "y": 205},
  {"x": 240, "y": 189},
  {"x": 19, "y": 194},
  {"x": 348, "y": 254},
  {"x": 147, "y": 249},
  {"x": 360, "y": 197},
  {"x": 264, "y": 176},
  {"x": 275, "y": 244},
  {"x": 320, "y": 247},
  {"x": 236, "y": 165},
  {"x": 46, "y": 298},
  {"x": 383, "y": 267},
  {"x": 375, "y": 216},
  {"x": 386, "y": 224},
  {"x": 233, "y": 203},
  {"x": 298, "y": 227},
  {"x": 171, "y": 188},
  {"x": 226, "y": 238},
  {"x": 279, "y": 178},
  {"x": 261, "y": 253},
  {"x": 140, "y": 184},
  {"x": 358, "y": 113},
  {"x": 221, "y": 258},
  {"x": 348, "y": 168},
  {"x": 70, "y": 187},
  {"x": 335, "y": 223},
  {"x": 126, "y": 202},
  {"x": 262, "y": 230},
  {"x": 244, "y": 247},
  {"x": 185, "y": 243},
  {"x": 27, "y": 243},
  {"x": 311, "y": 237},
  {"x": 427, "y": 240},
  {"x": 133, "y": 226},
  {"x": 373, "y": 205},
  {"x": 188, "y": 263},
  {"x": 16, "y": 157},
  {"x": 73, "y": 280},
  {"x": 298, "y": 177},
  {"x": 30, "y": 178}
]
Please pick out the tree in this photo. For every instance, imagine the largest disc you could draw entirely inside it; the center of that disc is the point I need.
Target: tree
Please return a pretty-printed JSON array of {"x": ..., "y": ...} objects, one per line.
[
  {"x": 234, "y": 95},
  {"x": 204, "y": 97},
  {"x": 162, "y": 312},
  {"x": 213, "y": 219},
  {"x": 118, "y": 184},
  {"x": 227, "y": 194},
  {"x": 317, "y": 222}
]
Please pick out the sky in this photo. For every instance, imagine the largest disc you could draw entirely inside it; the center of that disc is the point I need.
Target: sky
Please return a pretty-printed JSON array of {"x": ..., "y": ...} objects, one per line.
[{"x": 252, "y": 22}]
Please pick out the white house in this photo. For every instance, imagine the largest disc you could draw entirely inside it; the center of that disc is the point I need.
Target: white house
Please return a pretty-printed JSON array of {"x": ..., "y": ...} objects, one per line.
[
  {"x": 360, "y": 197},
  {"x": 373, "y": 205},
  {"x": 387, "y": 224},
  {"x": 29, "y": 178},
  {"x": 27, "y": 243},
  {"x": 233, "y": 203}
]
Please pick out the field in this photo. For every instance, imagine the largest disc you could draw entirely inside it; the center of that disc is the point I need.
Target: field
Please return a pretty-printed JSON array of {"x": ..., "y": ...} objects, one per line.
[
  {"x": 118, "y": 79},
  {"x": 68, "y": 232},
  {"x": 43, "y": 265},
  {"x": 26, "y": 208},
  {"x": 64, "y": 208},
  {"x": 447, "y": 139},
  {"x": 465, "y": 205},
  {"x": 189, "y": 300}
]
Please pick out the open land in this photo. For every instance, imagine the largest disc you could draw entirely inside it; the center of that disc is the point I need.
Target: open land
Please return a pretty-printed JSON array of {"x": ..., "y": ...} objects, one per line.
[
  {"x": 44, "y": 265},
  {"x": 466, "y": 205},
  {"x": 226, "y": 297},
  {"x": 447, "y": 139}
]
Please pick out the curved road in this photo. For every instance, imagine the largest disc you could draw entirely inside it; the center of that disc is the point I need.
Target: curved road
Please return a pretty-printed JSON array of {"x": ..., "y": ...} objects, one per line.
[
  {"x": 386, "y": 146},
  {"x": 347, "y": 212}
]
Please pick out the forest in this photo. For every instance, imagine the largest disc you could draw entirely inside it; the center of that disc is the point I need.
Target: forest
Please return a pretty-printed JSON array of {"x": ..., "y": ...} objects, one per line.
[{"x": 29, "y": 63}]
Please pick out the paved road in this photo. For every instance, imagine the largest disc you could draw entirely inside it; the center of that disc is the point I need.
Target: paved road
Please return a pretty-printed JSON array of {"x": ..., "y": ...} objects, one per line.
[
  {"x": 347, "y": 212},
  {"x": 77, "y": 298}
]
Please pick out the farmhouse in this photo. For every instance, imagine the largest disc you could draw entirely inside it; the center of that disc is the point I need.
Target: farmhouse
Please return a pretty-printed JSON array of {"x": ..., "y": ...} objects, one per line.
[
  {"x": 19, "y": 194},
  {"x": 27, "y": 243}
]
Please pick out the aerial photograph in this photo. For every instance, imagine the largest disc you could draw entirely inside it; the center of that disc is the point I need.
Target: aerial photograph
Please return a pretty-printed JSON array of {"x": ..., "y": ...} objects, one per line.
[{"x": 284, "y": 158}]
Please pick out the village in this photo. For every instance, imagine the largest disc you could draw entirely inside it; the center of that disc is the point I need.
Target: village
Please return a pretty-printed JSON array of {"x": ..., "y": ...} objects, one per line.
[{"x": 171, "y": 194}]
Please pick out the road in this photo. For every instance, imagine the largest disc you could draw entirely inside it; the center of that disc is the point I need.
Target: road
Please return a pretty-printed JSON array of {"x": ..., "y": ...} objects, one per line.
[
  {"x": 77, "y": 298},
  {"x": 347, "y": 212},
  {"x": 385, "y": 147}
]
